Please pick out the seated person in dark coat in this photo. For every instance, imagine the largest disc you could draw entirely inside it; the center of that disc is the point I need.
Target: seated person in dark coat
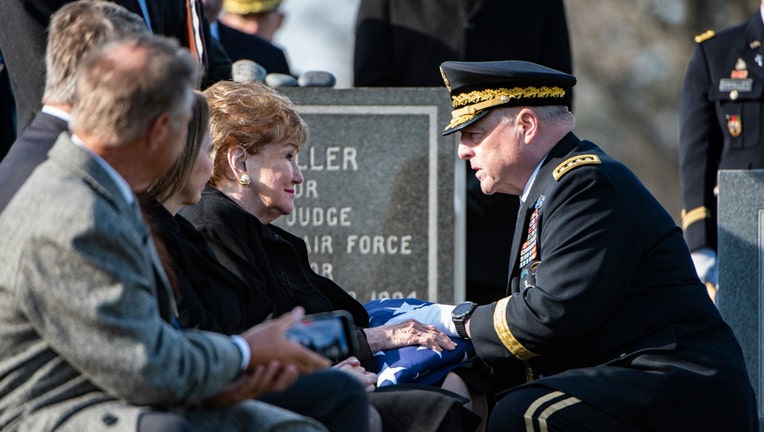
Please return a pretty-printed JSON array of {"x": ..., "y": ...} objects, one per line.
[
  {"x": 74, "y": 30},
  {"x": 206, "y": 290},
  {"x": 256, "y": 136},
  {"x": 89, "y": 336}
]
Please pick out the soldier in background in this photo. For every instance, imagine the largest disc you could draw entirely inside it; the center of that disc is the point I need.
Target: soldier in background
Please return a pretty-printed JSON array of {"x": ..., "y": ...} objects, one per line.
[
  {"x": 720, "y": 128},
  {"x": 246, "y": 29}
]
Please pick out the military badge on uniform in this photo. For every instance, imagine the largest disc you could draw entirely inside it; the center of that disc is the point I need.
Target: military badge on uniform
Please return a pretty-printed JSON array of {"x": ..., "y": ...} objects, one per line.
[
  {"x": 734, "y": 125},
  {"x": 741, "y": 70},
  {"x": 528, "y": 274},
  {"x": 530, "y": 250},
  {"x": 738, "y": 81}
]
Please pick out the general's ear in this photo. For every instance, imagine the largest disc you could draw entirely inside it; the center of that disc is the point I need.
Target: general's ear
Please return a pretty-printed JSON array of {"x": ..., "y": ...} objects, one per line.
[{"x": 528, "y": 121}]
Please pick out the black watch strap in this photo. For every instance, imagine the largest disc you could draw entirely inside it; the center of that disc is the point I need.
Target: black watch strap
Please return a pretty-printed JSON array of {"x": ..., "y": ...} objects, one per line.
[
  {"x": 461, "y": 330},
  {"x": 460, "y": 315}
]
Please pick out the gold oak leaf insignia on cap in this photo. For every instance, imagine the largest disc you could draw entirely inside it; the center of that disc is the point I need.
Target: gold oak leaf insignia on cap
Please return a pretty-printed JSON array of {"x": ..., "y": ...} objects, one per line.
[
  {"x": 445, "y": 80},
  {"x": 575, "y": 161}
]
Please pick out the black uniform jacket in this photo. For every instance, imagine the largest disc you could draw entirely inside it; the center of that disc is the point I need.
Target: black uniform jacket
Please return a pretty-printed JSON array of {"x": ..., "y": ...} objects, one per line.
[
  {"x": 272, "y": 263},
  {"x": 605, "y": 304},
  {"x": 401, "y": 43},
  {"x": 239, "y": 45},
  {"x": 721, "y": 115}
]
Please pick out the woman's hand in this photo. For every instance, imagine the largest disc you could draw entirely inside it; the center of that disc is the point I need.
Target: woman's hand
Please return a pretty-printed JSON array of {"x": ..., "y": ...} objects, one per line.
[
  {"x": 262, "y": 379},
  {"x": 409, "y": 332},
  {"x": 353, "y": 366}
]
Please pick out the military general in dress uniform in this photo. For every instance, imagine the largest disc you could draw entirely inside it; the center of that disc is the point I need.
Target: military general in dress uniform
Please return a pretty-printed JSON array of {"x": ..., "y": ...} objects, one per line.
[
  {"x": 720, "y": 128},
  {"x": 605, "y": 320}
]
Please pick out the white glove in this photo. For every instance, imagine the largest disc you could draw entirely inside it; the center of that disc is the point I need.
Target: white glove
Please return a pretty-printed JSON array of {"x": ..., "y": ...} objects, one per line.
[
  {"x": 435, "y": 314},
  {"x": 706, "y": 265}
]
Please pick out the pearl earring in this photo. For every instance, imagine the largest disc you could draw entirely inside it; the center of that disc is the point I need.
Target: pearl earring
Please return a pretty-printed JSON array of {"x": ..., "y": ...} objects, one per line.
[{"x": 244, "y": 180}]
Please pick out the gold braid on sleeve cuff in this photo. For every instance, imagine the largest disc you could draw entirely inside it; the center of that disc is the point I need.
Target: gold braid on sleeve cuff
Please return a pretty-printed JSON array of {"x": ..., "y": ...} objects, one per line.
[
  {"x": 501, "y": 326},
  {"x": 694, "y": 215}
]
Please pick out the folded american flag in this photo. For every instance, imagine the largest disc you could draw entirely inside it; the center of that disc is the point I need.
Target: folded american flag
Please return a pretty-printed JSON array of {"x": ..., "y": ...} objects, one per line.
[{"x": 414, "y": 364}]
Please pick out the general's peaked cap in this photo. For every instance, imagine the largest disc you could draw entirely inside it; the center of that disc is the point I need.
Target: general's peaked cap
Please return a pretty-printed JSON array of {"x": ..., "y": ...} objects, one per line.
[{"x": 477, "y": 87}]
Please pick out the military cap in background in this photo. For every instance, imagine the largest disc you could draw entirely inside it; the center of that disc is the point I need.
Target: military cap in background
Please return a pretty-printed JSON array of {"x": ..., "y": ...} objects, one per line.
[
  {"x": 244, "y": 7},
  {"x": 476, "y": 87}
]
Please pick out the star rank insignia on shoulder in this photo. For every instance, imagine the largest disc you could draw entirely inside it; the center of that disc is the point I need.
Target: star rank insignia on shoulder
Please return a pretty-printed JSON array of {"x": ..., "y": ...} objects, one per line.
[{"x": 574, "y": 162}]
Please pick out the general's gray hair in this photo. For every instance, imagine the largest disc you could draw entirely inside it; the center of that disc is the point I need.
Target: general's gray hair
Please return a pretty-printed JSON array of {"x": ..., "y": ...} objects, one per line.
[{"x": 547, "y": 113}]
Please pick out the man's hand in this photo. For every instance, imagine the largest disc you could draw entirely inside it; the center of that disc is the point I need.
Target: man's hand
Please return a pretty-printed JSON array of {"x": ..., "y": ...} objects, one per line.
[
  {"x": 263, "y": 379},
  {"x": 267, "y": 342},
  {"x": 409, "y": 332}
]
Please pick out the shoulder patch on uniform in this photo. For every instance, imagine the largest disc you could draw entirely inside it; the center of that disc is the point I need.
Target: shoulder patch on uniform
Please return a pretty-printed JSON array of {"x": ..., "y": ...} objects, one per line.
[
  {"x": 706, "y": 35},
  {"x": 575, "y": 161}
]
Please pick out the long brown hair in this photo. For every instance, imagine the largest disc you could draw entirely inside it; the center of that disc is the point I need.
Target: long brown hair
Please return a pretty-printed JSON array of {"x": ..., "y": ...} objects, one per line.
[{"x": 177, "y": 177}]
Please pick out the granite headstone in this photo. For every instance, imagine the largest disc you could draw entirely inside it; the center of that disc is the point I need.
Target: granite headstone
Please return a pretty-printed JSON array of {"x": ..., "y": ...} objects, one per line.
[
  {"x": 379, "y": 205},
  {"x": 741, "y": 266}
]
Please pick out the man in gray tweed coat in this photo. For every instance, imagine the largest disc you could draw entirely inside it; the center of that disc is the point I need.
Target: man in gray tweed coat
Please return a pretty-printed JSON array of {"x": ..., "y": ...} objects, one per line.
[{"x": 84, "y": 343}]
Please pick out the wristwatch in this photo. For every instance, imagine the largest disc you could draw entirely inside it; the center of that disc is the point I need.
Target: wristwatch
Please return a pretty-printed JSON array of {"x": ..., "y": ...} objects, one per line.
[{"x": 460, "y": 314}]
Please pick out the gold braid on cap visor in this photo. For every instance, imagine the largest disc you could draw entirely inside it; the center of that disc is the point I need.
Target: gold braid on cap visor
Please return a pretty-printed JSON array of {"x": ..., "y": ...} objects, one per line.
[
  {"x": 475, "y": 101},
  {"x": 244, "y": 7}
]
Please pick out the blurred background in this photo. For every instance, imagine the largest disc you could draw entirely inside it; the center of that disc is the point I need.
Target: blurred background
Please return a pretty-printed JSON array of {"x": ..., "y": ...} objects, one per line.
[{"x": 629, "y": 58}]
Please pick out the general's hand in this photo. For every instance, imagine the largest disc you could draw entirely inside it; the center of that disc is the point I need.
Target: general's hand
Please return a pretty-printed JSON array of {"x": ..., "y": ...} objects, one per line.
[
  {"x": 267, "y": 341},
  {"x": 352, "y": 366},
  {"x": 409, "y": 332},
  {"x": 263, "y": 379}
]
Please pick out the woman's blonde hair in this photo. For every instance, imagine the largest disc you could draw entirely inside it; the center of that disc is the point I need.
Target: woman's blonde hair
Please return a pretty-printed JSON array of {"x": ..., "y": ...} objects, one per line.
[{"x": 251, "y": 115}]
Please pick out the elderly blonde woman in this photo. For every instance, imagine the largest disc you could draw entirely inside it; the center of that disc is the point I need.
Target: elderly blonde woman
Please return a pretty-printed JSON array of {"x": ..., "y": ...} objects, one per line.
[
  {"x": 205, "y": 290},
  {"x": 256, "y": 135}
]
